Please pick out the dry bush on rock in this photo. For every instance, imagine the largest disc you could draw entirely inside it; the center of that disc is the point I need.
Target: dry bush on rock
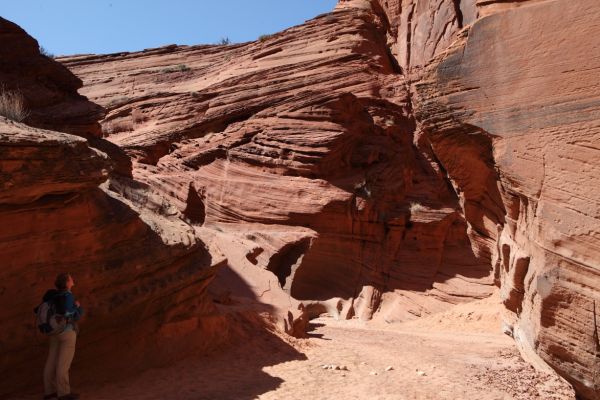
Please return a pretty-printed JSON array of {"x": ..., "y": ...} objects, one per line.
[{"x": 12, "y": 105}]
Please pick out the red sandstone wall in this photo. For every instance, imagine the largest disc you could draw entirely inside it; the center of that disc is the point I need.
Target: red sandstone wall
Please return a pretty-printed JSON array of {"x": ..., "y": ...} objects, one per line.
[
  {"x": 517, "y": 96},
  {"x": 387, "y": 161}
]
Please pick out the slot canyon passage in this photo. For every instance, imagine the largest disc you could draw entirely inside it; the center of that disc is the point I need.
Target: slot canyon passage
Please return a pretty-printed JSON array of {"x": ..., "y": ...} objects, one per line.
[{"x": 410, "y": 184}]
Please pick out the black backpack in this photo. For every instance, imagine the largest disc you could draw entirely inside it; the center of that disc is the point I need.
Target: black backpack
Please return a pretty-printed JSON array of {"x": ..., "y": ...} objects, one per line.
[{"x": 50, "y": 318}]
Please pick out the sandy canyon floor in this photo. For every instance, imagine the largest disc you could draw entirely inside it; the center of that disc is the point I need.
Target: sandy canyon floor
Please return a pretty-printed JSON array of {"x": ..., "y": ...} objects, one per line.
[{"x": 460, "y": 354}]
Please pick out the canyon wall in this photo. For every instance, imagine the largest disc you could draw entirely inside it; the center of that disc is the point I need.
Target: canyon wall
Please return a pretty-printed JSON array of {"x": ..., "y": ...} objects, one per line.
[
  {"x": 384, "y": 161},
  {"x": 415, "y": 152},
  {"x": 309, "y": 132},
  {"x": 49, "y": 88},
  {"x": 137, "y": 267},
  {"x": 141, "y": 271},
  {"x": 517, "y": 94}
]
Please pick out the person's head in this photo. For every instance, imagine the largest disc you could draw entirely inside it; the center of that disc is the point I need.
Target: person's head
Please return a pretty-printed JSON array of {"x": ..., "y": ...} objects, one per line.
[{"x": 64, "y": 281}]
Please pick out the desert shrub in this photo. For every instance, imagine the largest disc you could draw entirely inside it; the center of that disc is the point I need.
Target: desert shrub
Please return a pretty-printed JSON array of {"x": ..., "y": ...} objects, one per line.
[
  {"x": 12, "y": 105},
  {"x": 45, "y": 52},
  {"x": 112, "y": 127},
  {"x": 176, "y": 68},
  {"x": 224, "y": 41},
  {"x": 262, "y": 38}
]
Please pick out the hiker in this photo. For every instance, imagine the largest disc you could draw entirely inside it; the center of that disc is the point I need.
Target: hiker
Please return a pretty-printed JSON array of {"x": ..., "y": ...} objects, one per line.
[{"x": 62, "y": 339}]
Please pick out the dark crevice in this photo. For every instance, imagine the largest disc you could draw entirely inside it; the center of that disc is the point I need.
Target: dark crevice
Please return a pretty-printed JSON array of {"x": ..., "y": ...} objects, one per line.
[
  {"x": 282, "y": 262},
  {"x": 393, "y": 61},
  {"x": 382, "y": 37},
  {"x": 596, "y": 329},
  {"x": 458, "y": 12},
  {"x": 47, "y": 201},
  {"x": 195, "y": 209}
]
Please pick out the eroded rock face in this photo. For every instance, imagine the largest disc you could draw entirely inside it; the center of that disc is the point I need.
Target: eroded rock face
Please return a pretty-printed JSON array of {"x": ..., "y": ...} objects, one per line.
[
  {"x": 384, "y": 161},
  {"x": 414, "y": 149},
  {"x": 418, "y": 30},
  {"x": 141, "y": 271},
  {"x": 48, "y": 88},
  {"x": 309, "y": 131},
  {"x": 137, "y": 266},
  {"x": 517, "y": 95}
]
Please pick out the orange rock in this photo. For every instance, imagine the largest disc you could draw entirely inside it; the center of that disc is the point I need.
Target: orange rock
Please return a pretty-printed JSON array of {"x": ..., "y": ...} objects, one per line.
[
  {"x": 384, "y": 161},
  {"x": 308, "y": 131},
  {"x": 139, "y": 268},
  {"x": 511, "y": 111}
]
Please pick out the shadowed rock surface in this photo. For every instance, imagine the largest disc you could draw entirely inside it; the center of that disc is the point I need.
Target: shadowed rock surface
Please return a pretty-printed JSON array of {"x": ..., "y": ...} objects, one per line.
[
  {"x": 138, "y": 267},
  {"x": 385, "y": 161},
  {"x": 141, "y": 270},
  {"x": 48, "y": 88}
]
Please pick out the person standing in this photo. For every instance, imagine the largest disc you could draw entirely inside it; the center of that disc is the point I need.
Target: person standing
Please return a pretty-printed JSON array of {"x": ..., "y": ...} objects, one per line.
[{"x": 62, "y": 345}]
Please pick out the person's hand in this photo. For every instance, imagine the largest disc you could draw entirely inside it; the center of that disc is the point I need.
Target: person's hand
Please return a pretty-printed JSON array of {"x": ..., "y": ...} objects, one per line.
[{"x": 77, "y": 303}]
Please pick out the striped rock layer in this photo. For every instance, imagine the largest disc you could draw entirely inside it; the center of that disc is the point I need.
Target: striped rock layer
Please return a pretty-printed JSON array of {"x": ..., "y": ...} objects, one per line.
[{"x": 384, "y": 161}]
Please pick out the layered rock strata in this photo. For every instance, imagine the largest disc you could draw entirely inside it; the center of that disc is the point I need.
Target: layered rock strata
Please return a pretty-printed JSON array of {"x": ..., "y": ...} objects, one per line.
[
  {"x": 383, "y": 161},
  {"x": 398, "y": 140},
  {"x": 308, "y": 131},
  {"x": 141, "y": 271},
  {"x": 138, "y": 267},
  {"x": 69, "y": 203},
  {"x": 520, "y": 100}
]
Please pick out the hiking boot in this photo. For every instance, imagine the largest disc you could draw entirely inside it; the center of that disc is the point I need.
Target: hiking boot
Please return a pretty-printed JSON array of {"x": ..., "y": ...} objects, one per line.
[
  {"x": 51, "y": 396},
  {"x": 70, "y": 396}
]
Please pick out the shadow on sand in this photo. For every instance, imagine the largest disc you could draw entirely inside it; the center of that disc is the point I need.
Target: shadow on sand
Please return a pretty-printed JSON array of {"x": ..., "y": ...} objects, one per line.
[
  {"x": 234, "y": 371},
  {"x": 312, "y": 327}
]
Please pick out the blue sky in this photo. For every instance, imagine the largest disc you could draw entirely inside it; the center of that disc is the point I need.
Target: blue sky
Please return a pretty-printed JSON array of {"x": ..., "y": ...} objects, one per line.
[{"x": 104, "y": 26}]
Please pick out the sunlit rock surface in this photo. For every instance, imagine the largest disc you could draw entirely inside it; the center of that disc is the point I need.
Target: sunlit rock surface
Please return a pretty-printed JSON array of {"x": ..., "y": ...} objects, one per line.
[
  {"x": 518, "y": 97},
  {"x": 384, "y": 161},
  {"x": 311, "y": 131}
]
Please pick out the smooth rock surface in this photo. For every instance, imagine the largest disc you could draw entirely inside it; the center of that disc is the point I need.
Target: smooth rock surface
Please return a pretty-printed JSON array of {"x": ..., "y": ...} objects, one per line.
[{"x": 520, "y": 99}]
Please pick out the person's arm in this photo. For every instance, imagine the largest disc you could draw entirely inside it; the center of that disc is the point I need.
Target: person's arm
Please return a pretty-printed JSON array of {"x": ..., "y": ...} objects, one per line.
[{"x": 72, "y": 309}]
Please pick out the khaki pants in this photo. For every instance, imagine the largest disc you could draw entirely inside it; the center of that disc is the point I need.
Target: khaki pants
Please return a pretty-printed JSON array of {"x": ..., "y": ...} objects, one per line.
[{"x": 60, "y": 356}]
